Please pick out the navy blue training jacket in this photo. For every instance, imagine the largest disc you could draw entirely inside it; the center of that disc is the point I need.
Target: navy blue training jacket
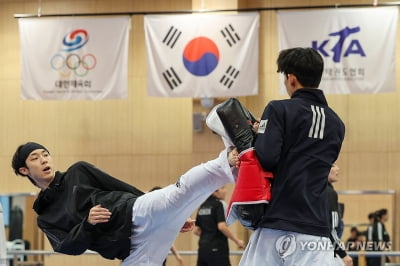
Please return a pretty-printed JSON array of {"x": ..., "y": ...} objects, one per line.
[{"x": 298, "y": 140}]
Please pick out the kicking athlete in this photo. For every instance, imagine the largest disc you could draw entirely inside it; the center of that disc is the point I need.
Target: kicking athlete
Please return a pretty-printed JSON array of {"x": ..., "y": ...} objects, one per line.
[{"x": 85, "y": 208}]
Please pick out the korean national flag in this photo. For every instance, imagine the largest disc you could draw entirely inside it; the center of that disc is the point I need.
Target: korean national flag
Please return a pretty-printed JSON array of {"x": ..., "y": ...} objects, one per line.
[{"x": 202, "y": 55}]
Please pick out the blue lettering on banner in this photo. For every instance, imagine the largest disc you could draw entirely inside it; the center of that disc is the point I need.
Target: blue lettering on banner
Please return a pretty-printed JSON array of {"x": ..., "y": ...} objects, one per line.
[{"x": 339, "y": 49}]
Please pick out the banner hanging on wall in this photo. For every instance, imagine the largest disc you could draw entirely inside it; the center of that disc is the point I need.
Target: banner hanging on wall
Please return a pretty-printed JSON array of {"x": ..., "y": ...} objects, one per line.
[
  {"x": 358, "y": 46},
  {"x": 74, "y": 58},
  {"x": 202, "y": 55}
]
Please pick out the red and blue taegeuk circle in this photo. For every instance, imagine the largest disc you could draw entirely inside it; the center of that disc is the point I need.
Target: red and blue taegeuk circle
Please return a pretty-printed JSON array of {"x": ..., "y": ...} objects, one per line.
[
  {"x": 201, "y": 56},
  {"x": 75, "y": 40}
]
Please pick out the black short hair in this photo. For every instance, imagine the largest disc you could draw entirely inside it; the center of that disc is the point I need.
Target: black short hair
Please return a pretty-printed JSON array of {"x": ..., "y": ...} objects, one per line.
[
  {"x": 381, "y": 212},
  {"x": 305, "y": 63},
  {"x": 16, "y": 162},
  {"x": 372, "y": 215},
  {"x": 354, "y": 229}
]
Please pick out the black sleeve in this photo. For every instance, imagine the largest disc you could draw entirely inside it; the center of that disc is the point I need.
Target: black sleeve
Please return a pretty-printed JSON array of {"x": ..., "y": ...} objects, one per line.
[
  {"x": 337, "y": 244},
  {"x": 219, "y": 212},
  {"x": 102, "y": 180},
  {"x": 334, "y": 217},
  {"x": 74, "y": 242},
  {"x": 386, "y": 237},
  {"x": 269, "y": 138}
]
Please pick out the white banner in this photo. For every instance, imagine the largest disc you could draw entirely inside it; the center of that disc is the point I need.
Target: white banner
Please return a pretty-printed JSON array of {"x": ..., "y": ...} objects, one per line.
[
  {"x": 202, "y": 55},
  {"x": 74, "y": 58},
  {"x": 358, "y": 45}
]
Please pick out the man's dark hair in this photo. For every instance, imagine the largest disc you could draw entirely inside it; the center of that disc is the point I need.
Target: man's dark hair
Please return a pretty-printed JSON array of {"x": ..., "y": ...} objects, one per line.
[
  {"x": 17, "y": 162},
  {"x": 381, "y": 212},
  {"x": 305, "y": 63},
  {"x": 354, "y": 229},
  {"x": 371, "y": 215}
]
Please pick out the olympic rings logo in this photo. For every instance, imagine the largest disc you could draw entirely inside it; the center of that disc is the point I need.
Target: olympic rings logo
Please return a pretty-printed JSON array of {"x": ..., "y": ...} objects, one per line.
[{"x": 73, "y": 63}]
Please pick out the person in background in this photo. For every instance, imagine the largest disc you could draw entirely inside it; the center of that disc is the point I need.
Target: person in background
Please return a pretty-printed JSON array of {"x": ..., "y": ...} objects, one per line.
[
  {"x": 353, "y": 243},
  {"x": 378, "y": 238},
  {"x": 339, "y": 250},
  {"x": 211, "y": 227},
  {"x": 383, "y": 216}
]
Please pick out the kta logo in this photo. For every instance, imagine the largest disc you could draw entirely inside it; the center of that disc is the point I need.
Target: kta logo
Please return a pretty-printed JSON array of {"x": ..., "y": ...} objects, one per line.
[
  {"x": 201, "y": 56},
  {"x": 339, "y": 49},
  {"x": 69, "y": 61}
]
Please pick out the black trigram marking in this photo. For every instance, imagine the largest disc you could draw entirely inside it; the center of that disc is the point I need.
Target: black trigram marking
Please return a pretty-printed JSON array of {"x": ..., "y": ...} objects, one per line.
[
  {"x": 172, "y": 78},
  {"x": 230, "y": 35},
  {"x": 229, "y": 76},
  {"x": 172, "y": 37}
]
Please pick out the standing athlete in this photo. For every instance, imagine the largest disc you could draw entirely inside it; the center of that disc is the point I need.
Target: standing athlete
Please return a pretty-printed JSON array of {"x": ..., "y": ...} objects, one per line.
[{"x": 298, "y": 140}]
